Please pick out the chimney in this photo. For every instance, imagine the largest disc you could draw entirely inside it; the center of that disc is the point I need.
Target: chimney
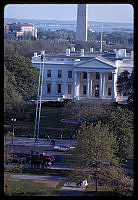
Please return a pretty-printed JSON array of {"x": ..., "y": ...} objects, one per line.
[
  {"x": 116, "y": 53},
  {"x": 91, "y": 50},
  {"x": 132, "y": 54},
  {"x": 35, "y": 54},
  {"x": 115, "y": 50},
  {"x": 67, "y": 52},
  {"x": 42, "y": 52},
  {"x": 82, "y": 52},
  {"x": 73, "y": 49},
  {"x": 122, "y": 53}
]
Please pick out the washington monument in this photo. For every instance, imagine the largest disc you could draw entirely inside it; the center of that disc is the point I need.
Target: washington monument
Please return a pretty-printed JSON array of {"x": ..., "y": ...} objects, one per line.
[{"x": 82, "y": 21}]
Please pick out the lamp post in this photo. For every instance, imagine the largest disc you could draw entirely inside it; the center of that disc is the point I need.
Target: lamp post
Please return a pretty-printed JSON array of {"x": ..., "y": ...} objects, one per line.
[
  {"x": 39, "y": 99},
  {"x": 13, "y": 120}
]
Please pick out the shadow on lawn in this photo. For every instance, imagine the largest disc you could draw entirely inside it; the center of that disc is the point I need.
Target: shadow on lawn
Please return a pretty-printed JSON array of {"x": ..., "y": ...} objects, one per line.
[{"x": 101, "y": 193}]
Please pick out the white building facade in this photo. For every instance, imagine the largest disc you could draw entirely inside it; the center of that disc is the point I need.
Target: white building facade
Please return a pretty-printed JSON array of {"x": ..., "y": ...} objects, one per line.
[{"x": 81, "y": 78}]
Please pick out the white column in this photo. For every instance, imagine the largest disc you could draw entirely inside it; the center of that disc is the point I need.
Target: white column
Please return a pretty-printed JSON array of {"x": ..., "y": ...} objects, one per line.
[
  {"x": 91, "y": 88},
  {"x": 88, "y": 84},
  {"x": 113, "y": 86},
  {"x": 75, "y": 85},
  {"x": 78, "y": 88},
  {"x": 101, "y": 86}
]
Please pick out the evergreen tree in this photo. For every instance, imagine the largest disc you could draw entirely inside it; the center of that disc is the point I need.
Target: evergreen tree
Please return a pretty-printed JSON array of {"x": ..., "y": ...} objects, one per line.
[
  {"x": 24, "y": 77},
  {"x": 123, "y": 83},
  {"x": 121, "y": 124}
]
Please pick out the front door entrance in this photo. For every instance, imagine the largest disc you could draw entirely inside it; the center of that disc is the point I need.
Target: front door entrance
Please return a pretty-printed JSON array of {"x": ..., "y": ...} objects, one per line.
[{"x": 97, "y": 91}]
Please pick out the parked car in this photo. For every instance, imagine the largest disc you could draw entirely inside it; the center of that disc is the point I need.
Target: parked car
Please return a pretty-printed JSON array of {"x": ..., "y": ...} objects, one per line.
[{"x": 61, "y": 148}]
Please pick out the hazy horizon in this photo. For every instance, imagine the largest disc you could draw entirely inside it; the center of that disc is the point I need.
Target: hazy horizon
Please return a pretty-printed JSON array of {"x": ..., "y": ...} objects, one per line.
[
  {"x": 67, "y": 20},
  {"x": 112, "y": 13}
]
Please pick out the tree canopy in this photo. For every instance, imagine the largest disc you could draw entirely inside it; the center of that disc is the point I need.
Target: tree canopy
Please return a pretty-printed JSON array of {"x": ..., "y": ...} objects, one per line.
[
  {"x": 22, "y": 76},
  {"x": 125, "y": 86},
  {"x": 96, "y": 146},
  {"x": 121, "y": 123},
  {"x": 26, "y": 48},
  {"x": 20, "y": 84}
]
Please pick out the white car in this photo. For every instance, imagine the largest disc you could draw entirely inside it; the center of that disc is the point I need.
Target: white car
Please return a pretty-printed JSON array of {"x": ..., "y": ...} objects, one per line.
[
  {"x": 71, "y": 147},
  {"x": 60, "y": 148},
  {"x": 63, "y": 148}
]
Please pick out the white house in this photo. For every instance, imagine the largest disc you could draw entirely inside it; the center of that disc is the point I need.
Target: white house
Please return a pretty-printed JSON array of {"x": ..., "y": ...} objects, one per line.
[{"x": 90, "y": 77}]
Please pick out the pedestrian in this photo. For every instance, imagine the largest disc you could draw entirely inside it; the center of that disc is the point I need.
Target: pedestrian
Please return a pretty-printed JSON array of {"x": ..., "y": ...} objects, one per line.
[
  {"x": 47, "y": 160},
  {"x": 38, "y": 161},
  {"x": 42, "y": 158},
  {"x": 52, "y": 142},
  {"x": 48, "y": 138},
  {"x": 32, "y": 161}
]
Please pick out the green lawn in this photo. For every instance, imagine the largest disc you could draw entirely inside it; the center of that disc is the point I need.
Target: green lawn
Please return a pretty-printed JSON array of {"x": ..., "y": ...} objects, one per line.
[
  {"x": 19, "y": 187},
  {"x": 46, "y": 172},
  {"x": 49, "y": 123}
]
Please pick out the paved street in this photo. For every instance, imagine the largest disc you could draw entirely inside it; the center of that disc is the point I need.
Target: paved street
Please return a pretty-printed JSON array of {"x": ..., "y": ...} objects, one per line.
[
  {"x": 25, "y": 141},
  {"x": 25, "y": 145}
]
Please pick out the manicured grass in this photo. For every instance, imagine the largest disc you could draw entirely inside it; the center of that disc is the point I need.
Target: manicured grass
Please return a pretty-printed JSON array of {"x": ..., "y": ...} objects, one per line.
[
  {"x": 46, "y": 172},
  {"x": 21, "y": 187},
  {"x": 49, "y": 123}
]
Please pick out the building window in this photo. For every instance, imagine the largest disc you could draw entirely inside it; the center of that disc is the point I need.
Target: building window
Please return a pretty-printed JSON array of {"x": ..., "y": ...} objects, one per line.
[
  {"x": 84, "y": 75},
  {"x": 69, "y": 74},
  {"x": 109, "y": 91},
  {"x": 59, "y": 88},
  {"x": 84, "y": 89},
  {"x": 69, "y": 88},
  {"x": 110, "y": 76},
  {"x": 48, "y": 73},
  {"x": 97, "y": 75},
  {"x": 48, "y": 88},
  {"x": 59, "y": 73}
]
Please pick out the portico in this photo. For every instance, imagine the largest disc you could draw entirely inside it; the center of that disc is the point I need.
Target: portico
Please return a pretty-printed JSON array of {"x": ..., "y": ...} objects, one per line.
[{"x": 94, "y": 85}]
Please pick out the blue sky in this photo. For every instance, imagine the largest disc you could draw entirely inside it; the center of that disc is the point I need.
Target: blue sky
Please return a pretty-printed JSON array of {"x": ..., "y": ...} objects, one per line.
[{"x": 122, "y": 13}]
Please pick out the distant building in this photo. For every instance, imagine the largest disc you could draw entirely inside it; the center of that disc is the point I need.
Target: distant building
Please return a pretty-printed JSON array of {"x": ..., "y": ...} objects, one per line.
[
  {"x": 82, "y": 22},
  {"x": 85, "y": 77},
  {"x": 20, "y": 29}
]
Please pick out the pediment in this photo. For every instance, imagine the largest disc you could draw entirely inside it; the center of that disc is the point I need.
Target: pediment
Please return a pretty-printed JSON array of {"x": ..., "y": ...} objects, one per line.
[{"x": 96, "y": 63}]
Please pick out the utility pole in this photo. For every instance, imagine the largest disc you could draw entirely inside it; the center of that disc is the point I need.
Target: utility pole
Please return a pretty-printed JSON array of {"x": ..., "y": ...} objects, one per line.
[
  {"x": 39, "y": 99},
  {"x": 101, "y": 50}
]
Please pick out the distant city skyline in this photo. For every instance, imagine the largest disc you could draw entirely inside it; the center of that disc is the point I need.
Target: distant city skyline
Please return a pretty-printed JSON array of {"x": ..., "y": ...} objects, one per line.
[{"x": 120, "y": 13}]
